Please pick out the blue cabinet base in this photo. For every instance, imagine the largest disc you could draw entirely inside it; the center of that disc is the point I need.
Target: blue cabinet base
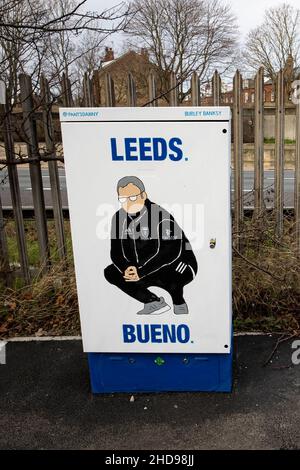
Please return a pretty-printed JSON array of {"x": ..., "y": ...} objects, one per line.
[{"x": 160, "y": 372}]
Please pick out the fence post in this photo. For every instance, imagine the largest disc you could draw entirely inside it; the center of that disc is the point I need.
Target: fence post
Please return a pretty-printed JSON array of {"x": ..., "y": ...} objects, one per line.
[
  {"x": 96, "y": 89},
  {"x": 279, "y": 153},
  {"x": 173, "y": 90},
  {"x": 216, "y": 88},
  {"x": 297, "y": 173},
  {"x": 35, "y": 169},
  {"x": 66, "y": 91},
  {"x": 53, "y": 168},
  {"x": 259, "y": 142},
  {"x": 195, "y": 89},
  {"x": 15, "y": 192},
  {"x": 4, "y": 259},
  {"x": 152, "y": 89},
  {"x": 109, "y": 91},
  {"x": 87, "y": 91},
  {"x": 238, "y": 155},
  {"x": 131, "y": 91}
]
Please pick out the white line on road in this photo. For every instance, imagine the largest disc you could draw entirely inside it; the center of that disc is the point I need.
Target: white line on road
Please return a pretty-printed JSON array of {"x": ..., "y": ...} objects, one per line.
[
  {"x": 26, "y": 339},
  {"x": 285, "y": 179},
  {"x": 45, "y": 189}
]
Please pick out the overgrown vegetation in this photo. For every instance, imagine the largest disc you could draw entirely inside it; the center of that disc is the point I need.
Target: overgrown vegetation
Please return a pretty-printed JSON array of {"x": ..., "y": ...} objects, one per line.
[
  {"x": 266, "y": 284},
  {"x": 49, "y": 306},
  {"x": 271, "y": 140},
  {"x": 266, "y": 277}
]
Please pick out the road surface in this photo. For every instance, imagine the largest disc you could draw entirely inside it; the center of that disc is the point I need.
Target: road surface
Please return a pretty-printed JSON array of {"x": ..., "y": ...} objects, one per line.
[{"x": 26, "y": 191}]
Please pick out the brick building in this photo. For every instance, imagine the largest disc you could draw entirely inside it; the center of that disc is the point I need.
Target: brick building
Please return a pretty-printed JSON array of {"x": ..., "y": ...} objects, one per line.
[
  {"x": 247, "y": 94},
  {"x": 136, "y": 63}
]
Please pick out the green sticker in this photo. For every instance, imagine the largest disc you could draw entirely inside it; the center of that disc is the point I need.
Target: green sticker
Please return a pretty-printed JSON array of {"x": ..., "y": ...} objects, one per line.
[{"x": 159, "y": 361}]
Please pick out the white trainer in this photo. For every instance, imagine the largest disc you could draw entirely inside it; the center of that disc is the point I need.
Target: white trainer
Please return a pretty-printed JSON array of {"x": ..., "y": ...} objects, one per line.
[
  {"x": 155, "y": 308},
  {"x": 181, "y": 309}
]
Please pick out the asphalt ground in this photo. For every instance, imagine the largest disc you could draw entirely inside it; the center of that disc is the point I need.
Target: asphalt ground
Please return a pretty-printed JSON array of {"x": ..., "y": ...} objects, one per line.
[{"x": 46, "y": 403}]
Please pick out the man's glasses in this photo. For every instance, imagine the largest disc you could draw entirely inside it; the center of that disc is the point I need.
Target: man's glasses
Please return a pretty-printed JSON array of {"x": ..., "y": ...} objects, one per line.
[{"x": 131, "y": 198}]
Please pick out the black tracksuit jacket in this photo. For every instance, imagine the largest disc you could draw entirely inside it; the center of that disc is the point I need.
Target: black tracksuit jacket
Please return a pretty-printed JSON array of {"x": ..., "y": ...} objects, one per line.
[{"x": 149, "y": 240}]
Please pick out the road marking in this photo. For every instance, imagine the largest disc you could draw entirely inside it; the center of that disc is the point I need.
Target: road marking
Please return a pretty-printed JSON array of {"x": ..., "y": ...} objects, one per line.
[
  {"x": 20, "y": 339},
  {"x": 45, "y": 189},
  {"x": 285, "y": 179}
]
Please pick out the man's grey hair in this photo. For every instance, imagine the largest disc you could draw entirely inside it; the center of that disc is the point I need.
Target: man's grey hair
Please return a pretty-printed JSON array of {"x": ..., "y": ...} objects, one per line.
[{"x": 123, "y": 182}]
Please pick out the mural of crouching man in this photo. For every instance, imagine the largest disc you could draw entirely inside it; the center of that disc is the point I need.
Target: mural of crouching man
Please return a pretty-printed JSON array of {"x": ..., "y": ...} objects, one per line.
[{"x": 148, "y": 248}]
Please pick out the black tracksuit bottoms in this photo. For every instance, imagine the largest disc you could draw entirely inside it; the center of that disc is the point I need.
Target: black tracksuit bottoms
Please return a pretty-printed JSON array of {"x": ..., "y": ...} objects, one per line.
[{"x": 167, "y": 278}]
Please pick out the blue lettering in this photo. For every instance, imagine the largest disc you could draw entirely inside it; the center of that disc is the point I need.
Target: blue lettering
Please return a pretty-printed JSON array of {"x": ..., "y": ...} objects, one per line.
[
  {"x": 145, "y": 146},
  {"x": 169, "y": 334},
  {"x": 114, "y": 152},
  {"x": 183, "y": 334},
  {"x": 178, "y": 152},
  {"x": 130, "y": 148},
  {"x": 147, "y": 149},
  {"x": 139, "y": 333},
  {"x": 128, "y": 334},
  {"x": 160, "y": 149},
  {"x": 156, "y": 333}
]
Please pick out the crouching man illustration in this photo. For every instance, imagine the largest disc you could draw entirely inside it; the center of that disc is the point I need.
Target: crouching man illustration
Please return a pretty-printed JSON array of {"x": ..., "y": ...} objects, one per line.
[{"x": 148, "y": 249}]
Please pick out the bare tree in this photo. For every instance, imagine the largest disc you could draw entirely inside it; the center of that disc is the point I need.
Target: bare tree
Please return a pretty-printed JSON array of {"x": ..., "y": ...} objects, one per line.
[
  {"x": 183, "y": 36},
  {"x": 90, "y": 52},
  {"x": 114, "y": 18},
  {"x": 275, "y": 41},
  {"x": 16, "y": 52},
  {"x": 61, "y": 45},
  {"x": 36, "y": 34}
]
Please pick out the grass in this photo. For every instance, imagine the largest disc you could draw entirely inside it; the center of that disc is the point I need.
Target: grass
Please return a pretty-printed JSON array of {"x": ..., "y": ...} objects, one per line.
[
  {"x": 32, "y": 241},
  {"x": 271, "y": 140},
  {"x": 266, "y": 283}
]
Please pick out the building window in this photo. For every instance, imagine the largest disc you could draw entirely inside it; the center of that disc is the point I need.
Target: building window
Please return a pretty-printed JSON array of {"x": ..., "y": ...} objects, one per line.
[
  {"x": 252, "y": 97},
  {"x": 246, "y": 97},
  {"x": 272, "y": 96}
]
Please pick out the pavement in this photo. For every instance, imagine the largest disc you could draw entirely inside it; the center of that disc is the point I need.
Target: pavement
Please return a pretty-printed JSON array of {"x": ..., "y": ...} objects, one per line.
[{"x": 46, "y": 403}]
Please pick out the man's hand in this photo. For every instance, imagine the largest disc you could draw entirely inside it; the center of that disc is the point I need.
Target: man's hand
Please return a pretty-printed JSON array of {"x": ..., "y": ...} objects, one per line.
[{"x": 131, "y": 274}]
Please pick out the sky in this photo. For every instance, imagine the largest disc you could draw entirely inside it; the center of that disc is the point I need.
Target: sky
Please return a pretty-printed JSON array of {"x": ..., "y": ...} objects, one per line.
[{"x": 249, "y": 13}]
